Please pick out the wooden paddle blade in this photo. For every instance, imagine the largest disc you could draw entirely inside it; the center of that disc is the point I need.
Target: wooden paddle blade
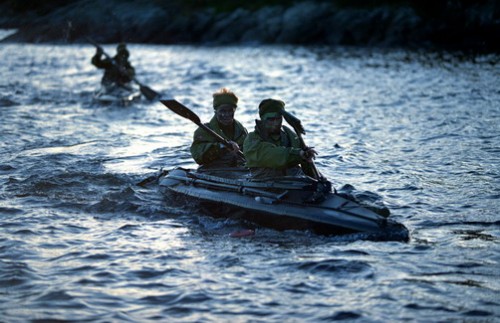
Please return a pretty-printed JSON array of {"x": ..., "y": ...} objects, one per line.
[
  {"x": 149, "y": 93},
  {"x": 294, "y": 122},
  {"x": 181, "y": 110}
]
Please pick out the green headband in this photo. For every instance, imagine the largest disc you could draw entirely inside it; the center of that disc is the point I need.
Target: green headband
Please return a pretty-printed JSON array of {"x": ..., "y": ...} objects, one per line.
[{"x": 269, "y": 115}]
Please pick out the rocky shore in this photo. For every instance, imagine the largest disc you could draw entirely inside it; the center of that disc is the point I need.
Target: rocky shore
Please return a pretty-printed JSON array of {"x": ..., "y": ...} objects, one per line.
[{"x": 454, "y": 25}]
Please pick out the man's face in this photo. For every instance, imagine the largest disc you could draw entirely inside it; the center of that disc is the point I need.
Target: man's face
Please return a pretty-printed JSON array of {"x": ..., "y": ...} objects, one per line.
[
  {"x": 225, "y": 114},
  {"x": 273, "y": 124}
]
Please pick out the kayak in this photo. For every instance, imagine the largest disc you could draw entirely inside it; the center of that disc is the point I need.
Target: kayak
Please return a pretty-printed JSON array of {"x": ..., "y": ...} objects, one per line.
[
  {"x": 283, "y": 203},
  {"x": 116, "y": 94}
]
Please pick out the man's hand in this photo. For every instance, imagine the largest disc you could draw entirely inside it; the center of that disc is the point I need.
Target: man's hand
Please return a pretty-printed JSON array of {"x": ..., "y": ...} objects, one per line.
[
  {"x": 234, "y": 148},
  {"x": 308, "y": 154}
]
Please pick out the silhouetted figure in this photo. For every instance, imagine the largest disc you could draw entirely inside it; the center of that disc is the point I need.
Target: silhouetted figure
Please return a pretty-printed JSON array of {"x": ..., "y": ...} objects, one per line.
[{"x": 117, "y": 70}]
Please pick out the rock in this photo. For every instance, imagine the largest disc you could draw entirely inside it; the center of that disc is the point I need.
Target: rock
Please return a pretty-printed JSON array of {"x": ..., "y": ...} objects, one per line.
[
  {"x": 452, "y": 24},
  {"x": 265, "y": 27},
  {"x": 304, "y": 23}
]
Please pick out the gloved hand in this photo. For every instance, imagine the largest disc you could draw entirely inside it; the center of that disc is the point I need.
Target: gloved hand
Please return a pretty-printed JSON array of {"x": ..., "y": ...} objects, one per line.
[
  {"x": 235, "y": 149},
  {"x": 308, "y": 154}
]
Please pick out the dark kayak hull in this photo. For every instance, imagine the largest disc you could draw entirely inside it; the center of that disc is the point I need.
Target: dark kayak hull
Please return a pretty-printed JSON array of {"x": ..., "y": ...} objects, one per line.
[
  {"x": 117, "y": 95},
  {"x": 281, "y": 204}
]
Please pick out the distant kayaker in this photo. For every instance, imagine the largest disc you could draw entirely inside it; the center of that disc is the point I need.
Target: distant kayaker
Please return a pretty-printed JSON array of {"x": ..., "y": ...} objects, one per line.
[
  {"x": 205, "y": 149},
  {"x": 117, "y": 70},
  {"x": 273, "y": 150}
]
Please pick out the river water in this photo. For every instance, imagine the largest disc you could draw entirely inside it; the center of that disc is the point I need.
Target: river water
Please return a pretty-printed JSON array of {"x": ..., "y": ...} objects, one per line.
[{"x": 80, "y": 241}]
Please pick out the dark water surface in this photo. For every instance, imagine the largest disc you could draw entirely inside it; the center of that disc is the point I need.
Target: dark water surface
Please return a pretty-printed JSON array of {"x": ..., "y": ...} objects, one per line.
[{"x": 79, "y": 241}]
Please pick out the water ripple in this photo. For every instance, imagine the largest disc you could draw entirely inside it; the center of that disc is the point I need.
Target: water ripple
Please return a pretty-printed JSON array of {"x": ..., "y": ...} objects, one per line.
[{"x": 80, "y": 241}]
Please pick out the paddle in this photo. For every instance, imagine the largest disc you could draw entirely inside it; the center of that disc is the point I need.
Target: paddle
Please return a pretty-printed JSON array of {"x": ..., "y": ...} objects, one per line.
[
  {"x": 149, "y": 93},
  {"x": 185, "y": 112},
  {"x": 299, "y": 130}
]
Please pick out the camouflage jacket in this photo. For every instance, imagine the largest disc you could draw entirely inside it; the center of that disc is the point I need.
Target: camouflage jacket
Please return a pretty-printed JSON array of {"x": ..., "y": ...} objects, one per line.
[
  {"x": 268, "y": 157},
  {"x": 207, "y": 151}
]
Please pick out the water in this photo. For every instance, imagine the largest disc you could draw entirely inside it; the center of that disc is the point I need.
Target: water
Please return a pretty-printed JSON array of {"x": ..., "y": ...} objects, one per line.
[{"x": 80, "y": 241}]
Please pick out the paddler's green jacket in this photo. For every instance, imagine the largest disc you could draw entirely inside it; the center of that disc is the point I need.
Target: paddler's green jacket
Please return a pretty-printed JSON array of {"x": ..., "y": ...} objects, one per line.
[
  {"x": 268, "y": 157},
  {"x": 207, "y": 151}
]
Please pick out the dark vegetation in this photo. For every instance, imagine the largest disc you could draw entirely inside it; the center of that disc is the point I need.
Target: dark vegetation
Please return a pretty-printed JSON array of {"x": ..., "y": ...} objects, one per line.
[{"x": 446, "y": 24}]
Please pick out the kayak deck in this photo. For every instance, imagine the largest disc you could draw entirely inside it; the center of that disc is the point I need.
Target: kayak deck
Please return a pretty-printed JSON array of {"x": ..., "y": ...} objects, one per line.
[{"x": 283, "y": 203}]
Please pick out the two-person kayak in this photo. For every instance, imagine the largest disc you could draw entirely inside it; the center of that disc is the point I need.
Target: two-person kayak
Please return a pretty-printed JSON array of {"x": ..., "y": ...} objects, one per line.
[{"x": 282, "y": 203}]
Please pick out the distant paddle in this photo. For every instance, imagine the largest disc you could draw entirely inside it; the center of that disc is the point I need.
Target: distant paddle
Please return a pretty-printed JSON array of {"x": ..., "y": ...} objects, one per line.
[
  {"x": 185, "y": 112},
  {"x": 148, "y": 92}
]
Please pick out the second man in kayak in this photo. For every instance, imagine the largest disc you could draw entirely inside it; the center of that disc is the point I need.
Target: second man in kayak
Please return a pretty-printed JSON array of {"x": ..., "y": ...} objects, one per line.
[
  {"x": 205, "y": 149},
  {"x": 274, "y": 150}
]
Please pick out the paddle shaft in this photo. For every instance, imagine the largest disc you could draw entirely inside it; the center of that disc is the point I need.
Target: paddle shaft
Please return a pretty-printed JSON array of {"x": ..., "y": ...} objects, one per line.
[
  {"x": 315, "y": 171},
  {"x": 185, "y": 112},
  {"x": 220, "y": 139},
  {"x": 299, "y": 130}
]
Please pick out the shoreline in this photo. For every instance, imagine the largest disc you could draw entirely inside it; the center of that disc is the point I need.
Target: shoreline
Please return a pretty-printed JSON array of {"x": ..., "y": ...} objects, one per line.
[{"x": 303, "y": 23}]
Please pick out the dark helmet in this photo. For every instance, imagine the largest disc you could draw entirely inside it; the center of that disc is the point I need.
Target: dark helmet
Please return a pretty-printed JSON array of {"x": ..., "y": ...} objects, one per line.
[{"x": 121, "y": 50}]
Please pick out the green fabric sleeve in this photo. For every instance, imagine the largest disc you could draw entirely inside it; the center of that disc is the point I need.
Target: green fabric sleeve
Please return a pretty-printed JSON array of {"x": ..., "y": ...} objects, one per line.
[
  {"x": 204, "y": 148},
  {"x": 259, "y": 153}
]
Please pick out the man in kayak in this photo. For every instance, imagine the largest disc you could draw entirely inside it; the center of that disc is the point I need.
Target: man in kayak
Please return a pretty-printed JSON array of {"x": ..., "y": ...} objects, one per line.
[
  {"x": 274, "y": 150},
  {"x": 117, "y": 70},
  {"x": 205, "y": 149}
]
